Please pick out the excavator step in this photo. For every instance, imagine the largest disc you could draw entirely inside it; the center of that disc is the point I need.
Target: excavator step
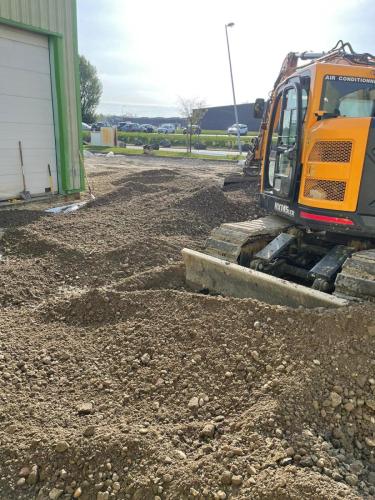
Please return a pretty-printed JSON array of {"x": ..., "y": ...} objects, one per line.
[{"x": 205, "y": 272}]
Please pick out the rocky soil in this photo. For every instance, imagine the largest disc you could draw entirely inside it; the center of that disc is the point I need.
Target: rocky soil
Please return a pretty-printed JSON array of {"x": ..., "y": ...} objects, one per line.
[{"x": 118, "y": 383}]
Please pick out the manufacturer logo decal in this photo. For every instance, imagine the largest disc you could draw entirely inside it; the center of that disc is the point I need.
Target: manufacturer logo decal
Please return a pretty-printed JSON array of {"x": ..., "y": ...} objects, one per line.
[{"x": 284, "y": 209}]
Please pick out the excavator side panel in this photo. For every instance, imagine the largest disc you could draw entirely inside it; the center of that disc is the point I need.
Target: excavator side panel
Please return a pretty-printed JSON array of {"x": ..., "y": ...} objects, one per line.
[{"x": 333, "y": 163}]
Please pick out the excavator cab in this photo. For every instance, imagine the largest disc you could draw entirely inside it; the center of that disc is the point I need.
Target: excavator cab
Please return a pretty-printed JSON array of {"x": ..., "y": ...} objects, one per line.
[{"x": 316, "y": 156}]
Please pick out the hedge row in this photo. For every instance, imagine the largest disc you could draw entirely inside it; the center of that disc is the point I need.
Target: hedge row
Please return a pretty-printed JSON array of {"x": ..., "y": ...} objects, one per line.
[{"x": 139, "y": 139}]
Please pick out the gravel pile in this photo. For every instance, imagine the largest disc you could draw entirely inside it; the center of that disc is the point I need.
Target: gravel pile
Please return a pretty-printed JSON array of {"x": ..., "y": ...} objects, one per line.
[{"x": 116, "y": 382}]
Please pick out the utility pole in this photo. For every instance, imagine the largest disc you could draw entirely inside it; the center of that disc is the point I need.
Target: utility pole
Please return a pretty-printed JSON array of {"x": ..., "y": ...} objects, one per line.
[{"x": 230, "y": 25}]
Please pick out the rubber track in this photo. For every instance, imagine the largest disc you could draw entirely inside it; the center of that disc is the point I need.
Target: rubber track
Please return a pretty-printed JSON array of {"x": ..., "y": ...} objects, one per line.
[
  {"x": 357, "y": 278},
  {"x": 226, "y": 241}
]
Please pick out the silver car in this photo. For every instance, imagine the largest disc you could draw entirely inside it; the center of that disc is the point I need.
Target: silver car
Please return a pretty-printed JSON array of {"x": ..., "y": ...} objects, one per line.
[{"x": 232, "y": 130}]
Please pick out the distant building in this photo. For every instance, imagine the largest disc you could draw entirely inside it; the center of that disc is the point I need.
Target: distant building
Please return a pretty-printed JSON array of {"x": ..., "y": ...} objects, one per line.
[{"x": 222, "y": 117}]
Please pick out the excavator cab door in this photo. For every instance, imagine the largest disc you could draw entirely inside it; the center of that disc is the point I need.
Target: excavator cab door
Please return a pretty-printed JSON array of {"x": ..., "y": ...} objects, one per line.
[{"x": 281, "y": 162}]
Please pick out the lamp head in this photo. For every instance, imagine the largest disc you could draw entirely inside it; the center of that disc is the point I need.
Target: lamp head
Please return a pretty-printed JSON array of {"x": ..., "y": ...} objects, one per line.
[{"x": 229, "y": 25}]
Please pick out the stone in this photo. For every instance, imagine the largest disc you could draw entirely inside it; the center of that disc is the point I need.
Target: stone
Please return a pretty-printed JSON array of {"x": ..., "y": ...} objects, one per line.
[
  {"x": 21, "y": 481},
  {"x": 257, "y": 325},
  {"x": 145, "y": 359},
  {"x": 370, "y": 403},
  {"x": 255, "y": 355},
  {"x": 55, "y": 493},
  {"x": 102, "y": 495},
  {"x": 208, "y": 431},
  {"x": 370, "y": 442},
  {"x": 336, "y": 476},
  {"x": 24, "y": 472},
  {"x": 180, "y": 454},
  {"x": 237, "y": 480},
  {"x": 349, "y": 407},
  {"x": 226, "y": 477},
  {"x": 306, "y": 461},
  {"x": 61, "y": 446},
  {"x": 89, "y": 431},
  {"x": 33, "y": 476},
  {"x": 371, "y": 478},
  {"x": 77, "y": 493},
  {"x": 252, "y": 470},
  {"x": 361, "y": 380},
  {"x": 335, "y": 398},
  {"x": 85, "y": 409},
  {"x": 371, "y": 330},
  {"x": 116, "y": 486},
  {"x": 220, "y": 495},
  {"x": 356, "y": 467},
  {"x": 351, "y": 479},
  {"x": 286, "y": 461},
  {"x": 194, "y": 403}
]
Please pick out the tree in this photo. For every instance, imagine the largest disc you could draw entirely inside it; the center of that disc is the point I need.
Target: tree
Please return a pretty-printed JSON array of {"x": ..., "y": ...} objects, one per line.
[
  {"x": 91, "y": 89},
  {"x": 193, "y": 110}
]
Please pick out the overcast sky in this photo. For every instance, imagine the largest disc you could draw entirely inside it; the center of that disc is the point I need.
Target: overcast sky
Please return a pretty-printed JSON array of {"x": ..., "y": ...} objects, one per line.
[{"x": 149, "y": 53}]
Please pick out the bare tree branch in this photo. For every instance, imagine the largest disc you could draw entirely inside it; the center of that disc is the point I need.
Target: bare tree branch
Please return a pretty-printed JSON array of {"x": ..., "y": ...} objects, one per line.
[{"x": 193, "y": 110}]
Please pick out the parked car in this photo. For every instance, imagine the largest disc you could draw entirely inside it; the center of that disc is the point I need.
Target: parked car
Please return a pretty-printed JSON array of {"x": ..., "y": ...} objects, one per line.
[
  {"x": 232, "y": 130},
  {"x": 95, "y": 127},
  {"x": 130, "y": 127},
  {"x": 167, "y": 128},
  {"x": 121, "y": 124},
  {"x": 147, "y": 127},
  {"x": 195, "y": 129},
  {"x": 85, "y": 126}
]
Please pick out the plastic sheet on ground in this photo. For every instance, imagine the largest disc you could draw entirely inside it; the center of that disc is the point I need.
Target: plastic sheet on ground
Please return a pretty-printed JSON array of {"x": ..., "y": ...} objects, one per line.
[{"x": 66, "y": 209}]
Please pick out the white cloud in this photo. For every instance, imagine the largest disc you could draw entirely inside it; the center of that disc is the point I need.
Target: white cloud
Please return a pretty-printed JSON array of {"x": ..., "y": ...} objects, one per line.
[{"x": 149, "y": 53}]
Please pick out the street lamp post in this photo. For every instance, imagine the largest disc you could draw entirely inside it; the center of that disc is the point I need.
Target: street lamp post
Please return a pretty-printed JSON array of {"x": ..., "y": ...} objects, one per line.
[{"x": 229, "y": 25}]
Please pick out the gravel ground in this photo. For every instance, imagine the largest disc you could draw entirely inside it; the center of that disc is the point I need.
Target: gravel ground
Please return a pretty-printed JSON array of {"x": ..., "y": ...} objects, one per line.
[{"x": 117, "y": 382}]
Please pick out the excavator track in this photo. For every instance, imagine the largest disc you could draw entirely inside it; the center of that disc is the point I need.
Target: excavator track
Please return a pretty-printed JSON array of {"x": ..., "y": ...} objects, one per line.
[
  {"x": 230, "y": 240},
  {"x": 357, "y": 277}
]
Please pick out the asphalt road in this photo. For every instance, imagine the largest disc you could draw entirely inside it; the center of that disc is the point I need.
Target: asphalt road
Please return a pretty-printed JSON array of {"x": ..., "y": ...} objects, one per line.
[{"x": 208, "y": 152}]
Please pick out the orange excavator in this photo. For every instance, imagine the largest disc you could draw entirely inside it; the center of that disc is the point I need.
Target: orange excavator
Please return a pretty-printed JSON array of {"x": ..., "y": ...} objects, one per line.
[{"x": 316, "y": 157}]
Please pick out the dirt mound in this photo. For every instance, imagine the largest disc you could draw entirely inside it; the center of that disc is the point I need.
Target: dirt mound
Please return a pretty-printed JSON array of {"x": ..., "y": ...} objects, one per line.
[
  {"x": 153, "y": 176},
  {"x": 126, "y": 190},
  {"x": 163, "y": 277},
  {"x": 116, "y": 382},
  {"x": 211, "y": 204}
]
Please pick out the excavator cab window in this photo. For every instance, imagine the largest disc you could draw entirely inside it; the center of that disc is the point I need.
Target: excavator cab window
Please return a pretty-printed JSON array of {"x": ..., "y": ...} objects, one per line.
[{"x": 348, "y": 96}]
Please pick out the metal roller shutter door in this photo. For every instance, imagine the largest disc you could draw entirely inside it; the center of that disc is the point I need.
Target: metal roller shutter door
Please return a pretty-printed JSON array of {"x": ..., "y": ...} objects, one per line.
[{"x": 26, "y": 113}]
